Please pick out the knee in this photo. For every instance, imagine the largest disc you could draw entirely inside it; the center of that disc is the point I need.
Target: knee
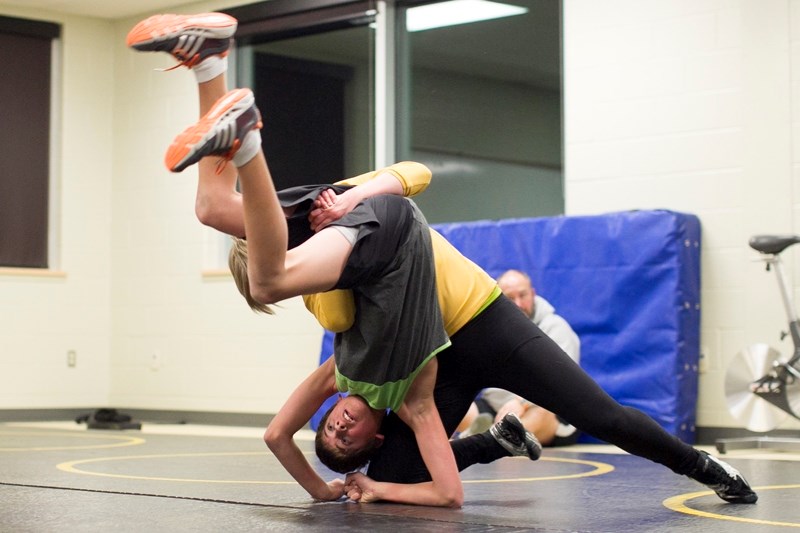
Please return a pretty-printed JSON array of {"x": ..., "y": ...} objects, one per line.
[{"x": 206, "y": 212}]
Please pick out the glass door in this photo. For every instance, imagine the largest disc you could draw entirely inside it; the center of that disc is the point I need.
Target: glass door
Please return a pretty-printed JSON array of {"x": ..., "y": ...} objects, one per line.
[
  {"x": 311, "y": 67},
  {"x": 479, "y": 102}
]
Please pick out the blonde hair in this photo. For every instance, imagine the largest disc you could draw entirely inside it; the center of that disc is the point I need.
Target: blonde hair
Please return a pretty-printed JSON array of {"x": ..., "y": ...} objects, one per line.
[{"x": 237, "y": 262}]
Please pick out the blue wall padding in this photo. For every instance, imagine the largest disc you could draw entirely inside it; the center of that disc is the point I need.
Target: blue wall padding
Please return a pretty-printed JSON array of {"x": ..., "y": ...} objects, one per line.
[
  {"x": 325, "y": 352},
  {"x": 628, "y": 282}
]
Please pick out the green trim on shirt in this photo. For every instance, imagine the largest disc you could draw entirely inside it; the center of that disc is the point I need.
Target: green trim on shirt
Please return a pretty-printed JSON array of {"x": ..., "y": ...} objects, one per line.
[
  {"x": 496, "y": 292},
  {"x": 388, "y": 395}
]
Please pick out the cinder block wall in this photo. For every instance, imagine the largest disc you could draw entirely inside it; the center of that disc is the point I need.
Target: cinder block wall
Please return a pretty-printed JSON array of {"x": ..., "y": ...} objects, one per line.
[{"x": 693, "y": 106}]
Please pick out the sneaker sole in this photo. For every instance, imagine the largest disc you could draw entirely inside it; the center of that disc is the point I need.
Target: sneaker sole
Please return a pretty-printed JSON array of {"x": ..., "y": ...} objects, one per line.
[
  {"x": 750, "y": 498},
  {"x": 186, "y": 145},
  {"x": 159, "y": 28},
  {"x": 534, "y": 448}
]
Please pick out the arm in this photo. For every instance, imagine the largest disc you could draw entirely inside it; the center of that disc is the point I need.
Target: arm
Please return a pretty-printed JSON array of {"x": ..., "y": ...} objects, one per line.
[
  {"x": 413, "y": 177},
  {"x": 294, "y": 414},
  {"x": 407, "y": 179},
  {"x": 420, "y": 413}
]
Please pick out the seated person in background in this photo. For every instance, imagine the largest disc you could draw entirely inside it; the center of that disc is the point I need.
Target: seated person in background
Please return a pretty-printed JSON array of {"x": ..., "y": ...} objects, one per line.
[{"x": 493, "y": 404}]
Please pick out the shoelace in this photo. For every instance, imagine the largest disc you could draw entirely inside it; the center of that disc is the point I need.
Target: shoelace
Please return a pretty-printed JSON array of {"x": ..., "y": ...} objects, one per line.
[
  {"x": 187, "y": 51},
  {"x": 223, "y": 161}
]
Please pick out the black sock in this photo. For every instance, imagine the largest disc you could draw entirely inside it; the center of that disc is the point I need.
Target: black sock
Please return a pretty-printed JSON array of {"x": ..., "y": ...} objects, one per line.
[{"x": 481, "y": 448}]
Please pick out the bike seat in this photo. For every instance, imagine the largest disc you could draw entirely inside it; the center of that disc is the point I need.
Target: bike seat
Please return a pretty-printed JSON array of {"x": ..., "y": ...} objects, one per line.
[{"x": 773, "y": 244}]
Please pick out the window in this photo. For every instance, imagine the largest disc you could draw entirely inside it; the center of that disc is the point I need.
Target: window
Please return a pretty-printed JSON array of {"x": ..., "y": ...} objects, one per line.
[
  {"x": 26, "y": 53},
  {"x": 480, "y": 104},
  {"x": 311, "y": 67}
]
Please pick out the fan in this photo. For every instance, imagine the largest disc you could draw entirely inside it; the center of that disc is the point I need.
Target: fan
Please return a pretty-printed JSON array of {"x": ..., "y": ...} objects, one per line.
[{"x": 761, "y": 392}]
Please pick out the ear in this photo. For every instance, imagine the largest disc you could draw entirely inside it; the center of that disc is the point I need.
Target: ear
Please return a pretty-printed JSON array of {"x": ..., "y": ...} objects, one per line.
[{"x": 378, "y": 440}]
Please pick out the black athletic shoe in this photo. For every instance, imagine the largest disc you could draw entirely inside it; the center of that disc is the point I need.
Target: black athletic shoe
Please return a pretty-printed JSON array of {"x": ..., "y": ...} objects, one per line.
[
  {"x": 512, "y": 435},
  {"x": 723, "y": 479}
]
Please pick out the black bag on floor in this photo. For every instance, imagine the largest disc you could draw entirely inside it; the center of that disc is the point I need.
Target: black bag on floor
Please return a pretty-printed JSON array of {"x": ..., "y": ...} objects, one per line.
[{"x": 108, "y": 419}]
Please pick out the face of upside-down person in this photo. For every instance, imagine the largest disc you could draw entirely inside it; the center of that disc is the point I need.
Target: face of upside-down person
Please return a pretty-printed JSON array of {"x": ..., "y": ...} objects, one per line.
[{"x": 351, "y": 425}]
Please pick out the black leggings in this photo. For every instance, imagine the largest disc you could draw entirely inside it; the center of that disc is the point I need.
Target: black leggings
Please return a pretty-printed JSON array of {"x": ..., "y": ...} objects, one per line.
[{"x": 502, "y": 348}]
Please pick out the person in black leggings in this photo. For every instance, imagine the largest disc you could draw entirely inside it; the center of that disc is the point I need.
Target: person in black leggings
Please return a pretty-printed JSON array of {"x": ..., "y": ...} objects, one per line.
[{"x": 502, "y": 348}]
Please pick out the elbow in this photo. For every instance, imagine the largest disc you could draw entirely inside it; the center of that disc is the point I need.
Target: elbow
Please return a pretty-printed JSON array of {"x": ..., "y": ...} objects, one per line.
[
  {"x": 454, "y": 499},
  {"x": 457, "y": 501},
  {"x": 451, "y": 496},
  {"x": 337, "y": 324},
  {"x": 261, "y": 294},
  {"x": 415, "y": 177},
  {"x": 261, "y": 297},
  {"x": 424, "y": 171},
  {"x": 271, "y": 437},
  {"x": 266, "y": 293}
]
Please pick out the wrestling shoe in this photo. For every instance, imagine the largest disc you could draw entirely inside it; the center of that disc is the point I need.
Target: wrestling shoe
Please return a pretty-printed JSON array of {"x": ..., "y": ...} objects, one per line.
[
  {"x": 220, "y": 132},
  {"x": 723, "y": 479},
  {"x": 512, "y": 435},
  {"x": 188, "y": 38}
]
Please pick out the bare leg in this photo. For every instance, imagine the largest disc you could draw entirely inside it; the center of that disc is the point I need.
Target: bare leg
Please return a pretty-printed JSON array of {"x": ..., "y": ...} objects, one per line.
[
  {"x": 541, "y": 423},
  {"x": 218, "y": 204},
  {"x": 229, "y": 131},
  {"x": 200, "y": 42},
  {"x": 469, "y": 418},
  {"x": 275, "y": 273}
]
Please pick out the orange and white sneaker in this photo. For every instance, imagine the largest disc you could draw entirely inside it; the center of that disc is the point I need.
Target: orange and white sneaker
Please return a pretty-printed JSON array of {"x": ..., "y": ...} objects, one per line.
[
  {"x": 219, "y": 132},
  {"x": 188, "y": 38}
]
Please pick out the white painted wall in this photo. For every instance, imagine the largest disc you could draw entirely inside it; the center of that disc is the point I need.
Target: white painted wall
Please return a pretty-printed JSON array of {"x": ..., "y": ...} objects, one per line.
[
  {"x": 692, "y": 106},
  {"x": 678, "y": 104},
  {"x": 134, "y": 256}
]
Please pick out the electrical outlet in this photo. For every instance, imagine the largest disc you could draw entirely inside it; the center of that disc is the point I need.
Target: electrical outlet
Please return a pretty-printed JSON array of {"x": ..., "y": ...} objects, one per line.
[
  {"x": 704, "y": 365},
  {"x": 72, "y": 358},
  {"x": 155, "y": 360}
]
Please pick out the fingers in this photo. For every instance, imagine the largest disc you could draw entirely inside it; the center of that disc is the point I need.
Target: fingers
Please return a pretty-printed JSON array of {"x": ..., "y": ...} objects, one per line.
[
  {"x": 354, "y": 494},
  {"x": 325, "y": 199},
  {"x": 319, "y": 217},
  {"x": 351, "y": 488}
]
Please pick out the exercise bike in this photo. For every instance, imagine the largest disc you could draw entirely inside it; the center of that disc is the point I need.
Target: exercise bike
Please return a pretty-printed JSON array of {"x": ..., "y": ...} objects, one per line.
[{"x": 762, "y": 389}]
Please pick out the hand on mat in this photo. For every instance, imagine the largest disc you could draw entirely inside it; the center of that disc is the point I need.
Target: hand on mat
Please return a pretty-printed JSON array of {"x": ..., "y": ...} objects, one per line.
[
  {"x": 329, "y": 207},
  {"x": 361, "y": 488}
]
